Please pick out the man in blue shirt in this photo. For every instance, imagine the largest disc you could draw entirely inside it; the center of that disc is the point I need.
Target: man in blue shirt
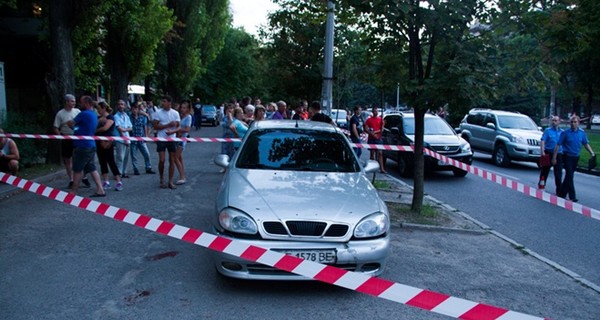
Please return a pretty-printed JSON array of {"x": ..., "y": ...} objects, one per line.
[
  {"x": 547, "y": 145},
  {"x": 571, "y": 141},
  {"x": 85, "y": 150}
]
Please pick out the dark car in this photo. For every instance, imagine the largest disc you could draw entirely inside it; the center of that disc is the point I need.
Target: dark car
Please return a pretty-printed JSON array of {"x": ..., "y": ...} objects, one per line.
[
  {"x": 210, "y": 114},
  {"x": 439, "y": 136}
]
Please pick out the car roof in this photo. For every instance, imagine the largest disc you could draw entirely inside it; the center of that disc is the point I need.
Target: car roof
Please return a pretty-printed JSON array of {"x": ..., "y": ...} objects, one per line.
[
  {"x": 294, "y": 124},
  {"x": 497, "y": 112},
  {"x": 409, "y": 115}
]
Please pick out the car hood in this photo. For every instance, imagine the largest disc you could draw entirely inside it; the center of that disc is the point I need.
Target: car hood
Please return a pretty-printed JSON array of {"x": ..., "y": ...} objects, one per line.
[
  {"x": 435, "y": 139},
  {"x": 531, "y": 134},
  {"x": 284, "y": 195}
]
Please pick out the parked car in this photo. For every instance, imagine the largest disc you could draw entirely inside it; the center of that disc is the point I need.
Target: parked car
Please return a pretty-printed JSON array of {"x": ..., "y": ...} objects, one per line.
[
  {"x": 298, "y": 188},
  {"x": 211, "y": 115},
  {"x": 596, "y": 119},
  {"x": 340, "y": 117},
  {"x": 399, "y": 129},
  {"x": 507, "y": 135}
]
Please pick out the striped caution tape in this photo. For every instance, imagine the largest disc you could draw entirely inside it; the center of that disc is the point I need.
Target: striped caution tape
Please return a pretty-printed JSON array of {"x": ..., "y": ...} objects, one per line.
[
  {"x": 509, "y": 183},
  {"x": 415, "y": 297},
  {"x": 518, "y": 186}
]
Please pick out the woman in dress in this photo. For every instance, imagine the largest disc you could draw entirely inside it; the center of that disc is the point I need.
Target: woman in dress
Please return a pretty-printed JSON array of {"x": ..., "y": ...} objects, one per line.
[
  {"x": 185, "y": 111},
  {"x": 105, "y": 149}
]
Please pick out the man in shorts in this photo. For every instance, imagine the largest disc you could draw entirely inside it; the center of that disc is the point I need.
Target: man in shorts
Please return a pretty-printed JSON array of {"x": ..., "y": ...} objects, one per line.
[
  {"x": 63, "y": 124},
  {"x": 374, "y": 127},
  {"x": 85, "y": 150},
  {"x": 166, "y": 122}
]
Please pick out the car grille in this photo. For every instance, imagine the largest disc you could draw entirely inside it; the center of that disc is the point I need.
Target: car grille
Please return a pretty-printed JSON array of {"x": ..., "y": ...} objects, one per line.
[
  {"x": 306, "y": 228},
  {"x": 445, "y": 149},
  {"x": 533, "y": 142}
]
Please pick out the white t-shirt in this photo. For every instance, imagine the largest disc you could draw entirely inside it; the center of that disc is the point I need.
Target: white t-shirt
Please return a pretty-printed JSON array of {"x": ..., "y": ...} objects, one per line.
[
  {"x": 62, "y": 117},
  {"x": 164, "y": 117}
]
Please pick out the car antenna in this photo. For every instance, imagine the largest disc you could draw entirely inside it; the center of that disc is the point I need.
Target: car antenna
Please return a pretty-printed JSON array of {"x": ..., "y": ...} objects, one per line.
[{"x": 296, "y": 123}]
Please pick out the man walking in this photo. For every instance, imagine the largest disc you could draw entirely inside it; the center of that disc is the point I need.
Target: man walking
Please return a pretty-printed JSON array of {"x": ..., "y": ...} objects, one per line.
[
  {"x": 166, "y": 122},
  {"x": 85, "y": 124},
  {"x": 547, "y": 145},
  {"x": 571, "y": 141}
]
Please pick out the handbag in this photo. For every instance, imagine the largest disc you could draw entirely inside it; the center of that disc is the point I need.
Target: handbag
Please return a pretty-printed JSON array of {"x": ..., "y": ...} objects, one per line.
[
  {"x": 592, "y": 163},
  {"x": 545, "y": 160}
]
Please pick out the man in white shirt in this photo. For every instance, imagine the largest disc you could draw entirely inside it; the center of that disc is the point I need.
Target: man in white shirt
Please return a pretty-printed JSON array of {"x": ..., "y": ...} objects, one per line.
[
  {"x": 124, "y": 126},
  {"x": 166, "y": 122},
  {"x": 63, "y": 124}
]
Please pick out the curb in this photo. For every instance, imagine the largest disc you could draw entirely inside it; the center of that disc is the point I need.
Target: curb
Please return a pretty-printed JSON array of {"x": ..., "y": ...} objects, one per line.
[
  {"x": 486, "y": 229},
  {"x": 9, "y": 190}
]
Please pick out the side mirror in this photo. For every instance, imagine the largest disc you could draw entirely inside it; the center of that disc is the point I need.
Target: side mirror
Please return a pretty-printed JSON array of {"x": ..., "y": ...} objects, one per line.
[
  {"x": 222, "y": 160},
  {"x": 490, "y": 126},
  {"x": 458, "y": 130},
  {"x": 371, "y": 166}
]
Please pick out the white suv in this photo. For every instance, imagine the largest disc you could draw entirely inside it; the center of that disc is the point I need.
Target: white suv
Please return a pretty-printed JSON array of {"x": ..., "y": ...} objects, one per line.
[{"x": 507, "y": 135}]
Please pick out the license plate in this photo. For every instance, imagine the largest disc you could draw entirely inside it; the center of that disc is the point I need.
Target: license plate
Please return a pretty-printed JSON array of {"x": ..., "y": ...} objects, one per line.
[
  {"x": 442, "y": 163},
  {"x": 320, "y": 256}
]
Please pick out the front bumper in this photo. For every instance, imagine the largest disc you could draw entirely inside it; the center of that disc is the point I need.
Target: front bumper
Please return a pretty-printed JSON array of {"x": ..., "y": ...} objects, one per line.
[
  {"x": 434, "y": 164},
  {"x": 364, "y": 256},
  {"x": 523, "y": 152}
]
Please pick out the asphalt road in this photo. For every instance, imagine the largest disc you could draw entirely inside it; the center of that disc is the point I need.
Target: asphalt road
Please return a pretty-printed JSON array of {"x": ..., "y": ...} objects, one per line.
[
  {"x": 60, "y": 262},
  {"x": 565, "y": 237}
]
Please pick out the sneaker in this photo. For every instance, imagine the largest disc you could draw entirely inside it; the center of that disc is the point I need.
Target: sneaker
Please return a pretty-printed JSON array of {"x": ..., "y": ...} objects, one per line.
[
  {"x": 136, "y": 173},
  {"x": 149, "y": 171},
  {"x": 119, "y": 186},
  {"x": 106, "y": 185},
  {"x": 86, "y": 183}
]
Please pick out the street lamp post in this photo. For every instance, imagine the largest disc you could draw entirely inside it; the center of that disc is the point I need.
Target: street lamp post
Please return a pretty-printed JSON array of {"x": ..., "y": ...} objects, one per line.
[{"x": 327, "y": 94}]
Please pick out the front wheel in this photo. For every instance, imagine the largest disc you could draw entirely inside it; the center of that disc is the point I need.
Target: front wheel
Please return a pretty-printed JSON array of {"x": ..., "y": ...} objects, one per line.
[{"x": 500, "y": 156}]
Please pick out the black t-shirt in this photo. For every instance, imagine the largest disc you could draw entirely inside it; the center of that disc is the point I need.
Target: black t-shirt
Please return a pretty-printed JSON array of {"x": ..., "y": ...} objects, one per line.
[
  {"x": 321, "y": 118},
  {"x": 359, "y": 124}
]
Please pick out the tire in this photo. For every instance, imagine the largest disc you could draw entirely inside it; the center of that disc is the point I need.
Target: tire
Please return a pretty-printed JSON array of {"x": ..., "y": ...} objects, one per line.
[
  {"x": 404, "y": 169},
  {"x": 459, "y": 173},
  {"x": 500, "y": 156}
]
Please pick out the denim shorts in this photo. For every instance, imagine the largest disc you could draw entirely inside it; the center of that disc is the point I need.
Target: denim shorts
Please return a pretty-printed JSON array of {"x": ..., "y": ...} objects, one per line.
[{"x": 83, "y": 160}]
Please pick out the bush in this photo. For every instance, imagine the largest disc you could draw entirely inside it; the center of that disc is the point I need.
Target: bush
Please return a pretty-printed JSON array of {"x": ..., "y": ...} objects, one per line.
[{"x": 32, "y": 151}]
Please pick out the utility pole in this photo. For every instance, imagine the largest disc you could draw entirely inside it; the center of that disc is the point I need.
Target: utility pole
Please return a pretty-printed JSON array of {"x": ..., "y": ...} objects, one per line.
[{"x": 327, "y": 93}]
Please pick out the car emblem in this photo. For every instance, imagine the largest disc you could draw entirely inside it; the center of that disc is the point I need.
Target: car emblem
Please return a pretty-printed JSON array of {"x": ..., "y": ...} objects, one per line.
[{"x": 446, "y": 148}]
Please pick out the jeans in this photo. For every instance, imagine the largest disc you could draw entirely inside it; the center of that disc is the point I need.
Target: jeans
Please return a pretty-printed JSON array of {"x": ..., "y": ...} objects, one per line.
[
  {"x": 122, "y": 156},
  {"x": 568, "y": 186},
  {"x": 558, "y": 167},
  {"x": 143, "y": 148}
]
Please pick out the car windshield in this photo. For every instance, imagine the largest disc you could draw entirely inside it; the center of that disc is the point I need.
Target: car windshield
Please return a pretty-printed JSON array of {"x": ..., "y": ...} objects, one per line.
[
  {"x": 297, "y": 150},
  {"x": 516, "y": 122},
  {"x": 433, "y": 126},
  {"x": 209, "y": 109},
  {"x": 338, "y": 115}
]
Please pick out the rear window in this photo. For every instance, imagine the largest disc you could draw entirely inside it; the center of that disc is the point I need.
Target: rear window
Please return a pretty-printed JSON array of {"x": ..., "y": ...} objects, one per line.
[{"x": 297, "y": 150}]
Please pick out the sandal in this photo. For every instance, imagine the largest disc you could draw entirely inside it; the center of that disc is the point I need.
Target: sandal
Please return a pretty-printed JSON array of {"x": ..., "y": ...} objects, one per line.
[
  {"x": 98, "y": 195},
  {"x": 179, "y": 182},
  {"x": 163, "y": 185},
  {"x": 172, "y": 186}
]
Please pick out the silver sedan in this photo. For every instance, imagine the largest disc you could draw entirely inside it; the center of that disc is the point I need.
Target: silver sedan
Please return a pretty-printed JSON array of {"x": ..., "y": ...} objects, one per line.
[{"x": 297, "y": 187}]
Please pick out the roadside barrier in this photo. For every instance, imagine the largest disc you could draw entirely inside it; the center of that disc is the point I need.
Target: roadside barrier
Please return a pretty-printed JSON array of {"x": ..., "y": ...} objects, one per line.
[
  {"x": 499, "y": 179},
  {"x": 393, "y": 291}
]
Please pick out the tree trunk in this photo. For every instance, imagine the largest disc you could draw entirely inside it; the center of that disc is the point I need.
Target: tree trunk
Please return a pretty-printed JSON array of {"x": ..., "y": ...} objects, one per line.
[
  {"x": 419, "y": 161},
  {"x": 61, "y": 80}
]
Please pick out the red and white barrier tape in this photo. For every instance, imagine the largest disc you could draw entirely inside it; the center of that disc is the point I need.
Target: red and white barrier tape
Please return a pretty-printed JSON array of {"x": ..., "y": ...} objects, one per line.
[
  {"x": 509, "y": 183},
  {"x": 415, "y": 297},
  {"x": 520, "y": 187}
]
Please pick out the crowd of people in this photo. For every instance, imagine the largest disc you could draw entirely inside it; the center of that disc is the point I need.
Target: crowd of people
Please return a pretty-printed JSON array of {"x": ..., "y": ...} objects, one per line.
[{"x": 560, "y": 148}]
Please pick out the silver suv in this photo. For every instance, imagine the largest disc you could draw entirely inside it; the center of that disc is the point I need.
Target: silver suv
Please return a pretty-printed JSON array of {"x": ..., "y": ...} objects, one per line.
[{"x": 507, "y": 135}]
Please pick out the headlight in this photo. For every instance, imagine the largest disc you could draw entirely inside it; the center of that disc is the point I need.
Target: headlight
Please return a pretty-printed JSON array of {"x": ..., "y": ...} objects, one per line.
[
  {"x": 465, "y": 148},
  {"x": 237, "y": 221},
  {"x": 519, "y": 139},
  {"x": 372, "y": 226}
]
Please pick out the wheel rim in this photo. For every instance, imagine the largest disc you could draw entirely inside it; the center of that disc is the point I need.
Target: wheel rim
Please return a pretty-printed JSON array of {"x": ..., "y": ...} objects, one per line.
[{"x": 500, "y": 156}]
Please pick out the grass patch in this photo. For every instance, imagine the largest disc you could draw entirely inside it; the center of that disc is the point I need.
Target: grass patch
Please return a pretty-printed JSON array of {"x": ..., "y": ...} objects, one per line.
[
  {"x": 429, "y": 215},
  {"x": 38, "y": 170},
  {"x": 381, "y": 185}
]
